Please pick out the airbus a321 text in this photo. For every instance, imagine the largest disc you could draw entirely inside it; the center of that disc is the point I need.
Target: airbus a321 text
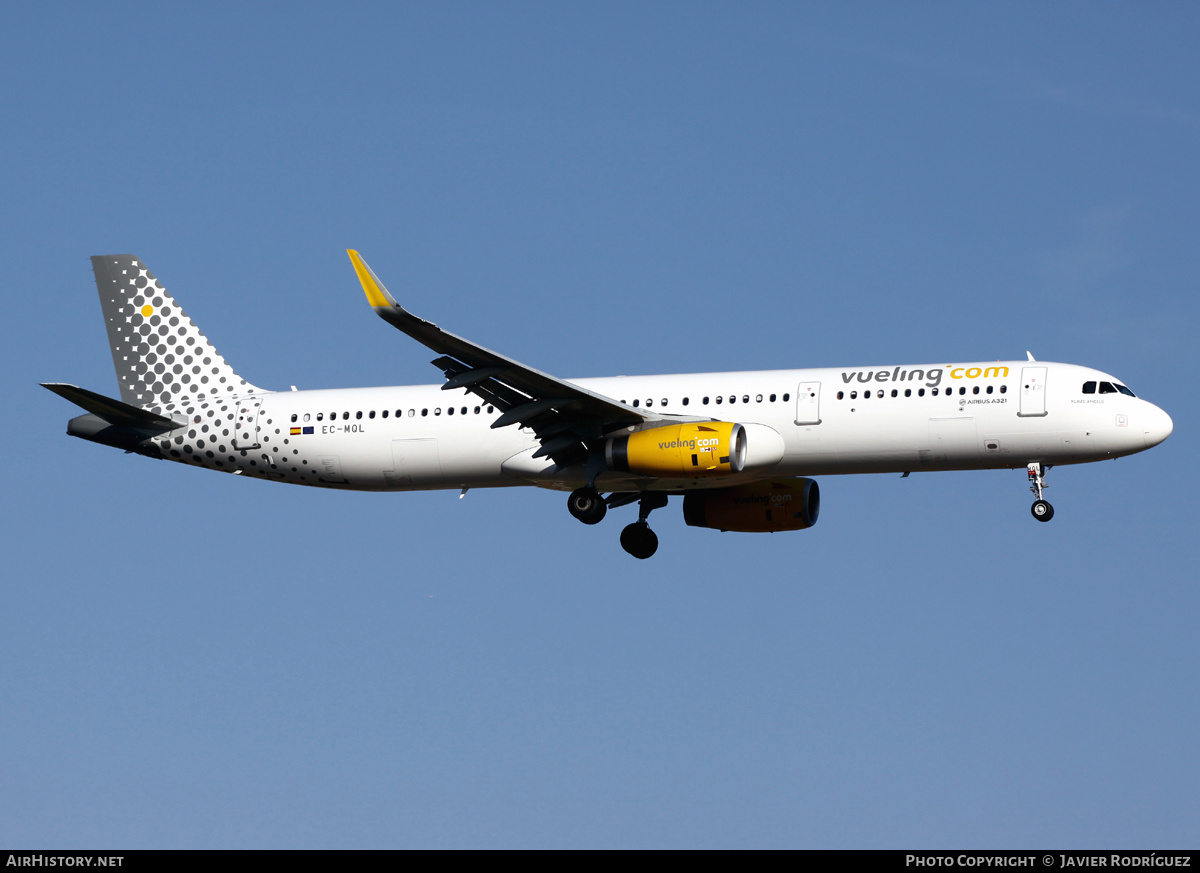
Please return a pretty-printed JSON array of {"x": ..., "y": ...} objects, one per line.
[{"x": 739, "y": 448}]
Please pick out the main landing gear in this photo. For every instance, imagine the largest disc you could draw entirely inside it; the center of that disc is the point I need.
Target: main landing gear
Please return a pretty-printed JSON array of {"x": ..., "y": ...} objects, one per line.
[
  {"x": 1041, "y": 510},
  {"x": 588, "y": 506},
  {"x": 637, "y": 538}
]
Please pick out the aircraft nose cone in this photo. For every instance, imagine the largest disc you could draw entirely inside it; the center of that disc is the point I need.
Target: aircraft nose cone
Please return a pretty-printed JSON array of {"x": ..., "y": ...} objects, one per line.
[{"x": 1157, "y": 428}]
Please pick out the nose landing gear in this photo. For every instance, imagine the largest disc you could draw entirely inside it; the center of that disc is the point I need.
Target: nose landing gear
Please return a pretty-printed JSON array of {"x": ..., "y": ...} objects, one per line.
[
  {"x": 1041, "y": 510},
  {"x": 637, "y": 538}
]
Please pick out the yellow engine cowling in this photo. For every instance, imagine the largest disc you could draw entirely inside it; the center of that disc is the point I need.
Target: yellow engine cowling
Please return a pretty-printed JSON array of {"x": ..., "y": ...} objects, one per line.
[
  {"x": 710, "y": 448},
  {"x": 775, "y": 505}
]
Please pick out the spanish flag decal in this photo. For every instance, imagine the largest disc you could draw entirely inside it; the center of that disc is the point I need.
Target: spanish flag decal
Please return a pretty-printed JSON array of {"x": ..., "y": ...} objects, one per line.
[{"x": 295, "y": 431}]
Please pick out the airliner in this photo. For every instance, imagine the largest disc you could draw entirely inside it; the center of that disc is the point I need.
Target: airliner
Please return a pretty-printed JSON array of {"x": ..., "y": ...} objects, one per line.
[{"x": 740, "y": 448}]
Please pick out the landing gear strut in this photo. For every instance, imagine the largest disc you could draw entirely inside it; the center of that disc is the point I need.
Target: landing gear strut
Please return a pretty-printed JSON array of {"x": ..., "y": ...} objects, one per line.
[
  {"x": 587, "y": 505},
  {"x": 637, "y": 538},
  {"x": 1041, "y": 510}
]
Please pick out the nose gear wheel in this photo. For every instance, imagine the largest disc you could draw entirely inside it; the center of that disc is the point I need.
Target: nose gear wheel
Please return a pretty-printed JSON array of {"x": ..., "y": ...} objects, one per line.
[{"x": 1041, "y": 509}]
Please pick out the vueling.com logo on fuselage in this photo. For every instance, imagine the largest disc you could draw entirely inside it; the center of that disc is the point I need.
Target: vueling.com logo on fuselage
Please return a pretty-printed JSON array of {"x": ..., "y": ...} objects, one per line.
[
  {"x": 932, "y": 377},
  {"x": 702, "y": 442}
]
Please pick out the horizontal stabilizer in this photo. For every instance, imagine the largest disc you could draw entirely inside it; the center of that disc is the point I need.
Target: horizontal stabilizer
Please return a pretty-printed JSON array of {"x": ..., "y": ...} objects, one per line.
[{"x": 113, "y": 411}]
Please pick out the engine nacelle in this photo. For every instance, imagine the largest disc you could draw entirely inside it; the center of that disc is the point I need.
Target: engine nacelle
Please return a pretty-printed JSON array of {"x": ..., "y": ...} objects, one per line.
[
  {"x": 774, "y": 505},
  {"x": 695, "y": 449},
  {"x": 709, "y": 448},
  {"x": 764, "y": 447}
]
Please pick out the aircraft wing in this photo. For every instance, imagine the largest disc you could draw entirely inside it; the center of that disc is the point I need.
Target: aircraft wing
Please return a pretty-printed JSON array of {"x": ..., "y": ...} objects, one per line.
[{"x": 564, "y": 416}]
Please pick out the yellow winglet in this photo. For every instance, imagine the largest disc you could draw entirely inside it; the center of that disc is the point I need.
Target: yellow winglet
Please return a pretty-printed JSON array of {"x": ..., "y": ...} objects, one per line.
[{"x": 377, "y": 295}]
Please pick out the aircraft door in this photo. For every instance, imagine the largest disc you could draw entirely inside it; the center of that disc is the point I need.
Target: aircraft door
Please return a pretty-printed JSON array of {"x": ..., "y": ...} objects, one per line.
[
  {"x": 953, "y": 439},
  {"x": 245, "y": 433},
  {"x": 1033, "y": 392},
  {"x": 330, "y": 468},
  {"x": 808, "y": 403},
  {"x": 417, "y": 464}
]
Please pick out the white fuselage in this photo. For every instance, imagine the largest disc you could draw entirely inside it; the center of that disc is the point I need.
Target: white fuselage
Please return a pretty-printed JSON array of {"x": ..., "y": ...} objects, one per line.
[{"x": 832, "y": 421}]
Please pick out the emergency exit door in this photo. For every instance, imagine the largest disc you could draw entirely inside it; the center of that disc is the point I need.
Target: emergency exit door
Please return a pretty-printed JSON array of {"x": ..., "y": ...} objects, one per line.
[
  {"x": 808, "y": 403},
  {"x": 245, "y": 434}
]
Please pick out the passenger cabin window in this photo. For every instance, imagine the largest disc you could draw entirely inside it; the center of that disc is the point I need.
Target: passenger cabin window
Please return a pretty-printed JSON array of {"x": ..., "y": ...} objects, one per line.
[
  {"x": 841, "y": 395},
  {"x": 1089, "y": 387}
]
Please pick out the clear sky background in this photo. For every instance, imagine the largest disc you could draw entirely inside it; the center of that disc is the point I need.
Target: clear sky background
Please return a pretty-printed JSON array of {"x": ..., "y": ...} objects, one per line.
[{"x": 197, "y": 660}]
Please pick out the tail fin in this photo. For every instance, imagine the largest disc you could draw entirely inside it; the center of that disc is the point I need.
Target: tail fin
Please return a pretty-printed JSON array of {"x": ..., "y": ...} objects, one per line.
[{"x": 162, "y": 359}]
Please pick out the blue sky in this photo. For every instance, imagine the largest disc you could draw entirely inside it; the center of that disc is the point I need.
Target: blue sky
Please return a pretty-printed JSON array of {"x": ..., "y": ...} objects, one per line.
[{"x": 196, "y": 660}]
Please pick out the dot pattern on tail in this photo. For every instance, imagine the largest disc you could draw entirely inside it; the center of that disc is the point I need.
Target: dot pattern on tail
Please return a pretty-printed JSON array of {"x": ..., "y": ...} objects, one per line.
[{"x": 162, "y": 359}]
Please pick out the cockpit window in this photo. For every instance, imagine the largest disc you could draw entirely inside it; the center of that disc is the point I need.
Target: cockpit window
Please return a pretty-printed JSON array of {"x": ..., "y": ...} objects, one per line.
[
  {"x": 1125, "y": 390},
  {"x": 1107, "y": 388},
  {"x": 1089, "y": 387}
]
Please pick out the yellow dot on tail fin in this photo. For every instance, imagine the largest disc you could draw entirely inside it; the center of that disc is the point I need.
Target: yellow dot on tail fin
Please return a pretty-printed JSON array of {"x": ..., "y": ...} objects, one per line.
[{"x": 146, "y": 310}]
